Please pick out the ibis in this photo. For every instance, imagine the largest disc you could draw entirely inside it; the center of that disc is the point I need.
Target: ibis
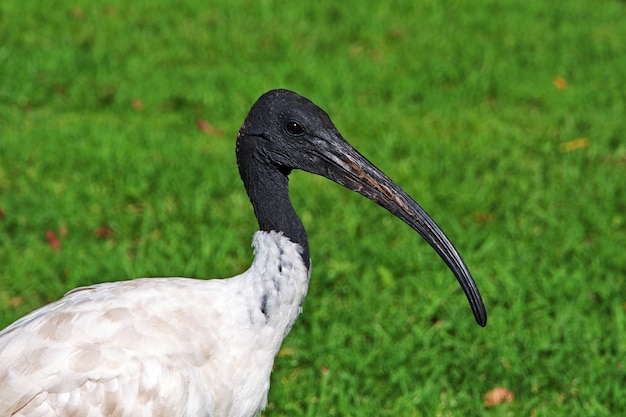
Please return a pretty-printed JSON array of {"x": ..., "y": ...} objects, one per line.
[{"x": 182, "y": 347}]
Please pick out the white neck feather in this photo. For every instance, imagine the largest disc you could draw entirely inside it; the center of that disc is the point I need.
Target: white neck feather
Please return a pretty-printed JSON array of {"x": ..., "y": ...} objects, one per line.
[{"x": 276, "y": 282}]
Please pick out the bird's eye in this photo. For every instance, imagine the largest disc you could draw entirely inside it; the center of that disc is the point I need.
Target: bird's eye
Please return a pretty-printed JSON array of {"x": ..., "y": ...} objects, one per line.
[{"x": 294, "y": 128}]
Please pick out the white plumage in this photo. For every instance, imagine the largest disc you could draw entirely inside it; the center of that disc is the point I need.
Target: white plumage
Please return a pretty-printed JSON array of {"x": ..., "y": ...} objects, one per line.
[{"x": 156, "y": 346}]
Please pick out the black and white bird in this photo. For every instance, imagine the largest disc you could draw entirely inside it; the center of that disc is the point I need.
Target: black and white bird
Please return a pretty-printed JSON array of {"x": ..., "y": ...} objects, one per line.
[{"x": 188, "y": 347}]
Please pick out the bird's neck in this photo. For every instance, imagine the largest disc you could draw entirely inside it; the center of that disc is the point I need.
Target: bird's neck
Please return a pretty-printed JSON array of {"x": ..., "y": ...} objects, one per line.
[{"x": 268, "y": 190}]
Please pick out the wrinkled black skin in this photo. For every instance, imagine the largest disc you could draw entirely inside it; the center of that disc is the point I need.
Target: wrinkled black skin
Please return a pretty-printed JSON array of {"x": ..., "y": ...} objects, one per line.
[{"x": 285, "y": 131}]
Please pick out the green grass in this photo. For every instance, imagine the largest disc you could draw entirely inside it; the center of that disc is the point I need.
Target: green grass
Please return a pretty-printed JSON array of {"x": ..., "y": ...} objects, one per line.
[{"x": 457, "y": 101}]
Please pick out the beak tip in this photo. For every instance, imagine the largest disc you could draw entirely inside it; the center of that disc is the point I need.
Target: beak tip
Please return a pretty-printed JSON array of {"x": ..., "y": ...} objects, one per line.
[{"x": 480, "y": 314}]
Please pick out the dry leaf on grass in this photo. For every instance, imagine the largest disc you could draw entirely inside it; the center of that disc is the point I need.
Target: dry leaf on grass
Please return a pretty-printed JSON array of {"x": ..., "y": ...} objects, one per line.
[
  {"x": 207, "y": 127},
  {"x": 53, "y": 240},
  {"x": 574, "y": 144},
  {"x": 559, "y": 82},
  {"x": 498, "y": 396}
]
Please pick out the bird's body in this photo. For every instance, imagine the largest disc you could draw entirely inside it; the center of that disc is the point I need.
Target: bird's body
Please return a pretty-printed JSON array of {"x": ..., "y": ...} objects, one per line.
[
  {"x": 137, "y": 348},
  {"x": 181, "y": 347}
]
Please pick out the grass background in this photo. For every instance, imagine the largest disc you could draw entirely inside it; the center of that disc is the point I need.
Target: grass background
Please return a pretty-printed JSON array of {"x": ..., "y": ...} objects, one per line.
[{"x": 504, "y": 119}]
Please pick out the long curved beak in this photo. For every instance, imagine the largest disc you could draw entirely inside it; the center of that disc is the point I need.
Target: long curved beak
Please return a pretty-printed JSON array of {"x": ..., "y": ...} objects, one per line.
[{"x": 346, "y": 166}]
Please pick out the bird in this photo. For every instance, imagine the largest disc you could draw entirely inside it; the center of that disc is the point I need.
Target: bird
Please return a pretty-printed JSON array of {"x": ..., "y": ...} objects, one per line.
[{"x": 188, "y": 347}]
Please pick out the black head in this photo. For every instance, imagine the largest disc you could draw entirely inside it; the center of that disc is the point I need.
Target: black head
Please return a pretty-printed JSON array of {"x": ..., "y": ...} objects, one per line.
[{"x": 290, "y": 131}]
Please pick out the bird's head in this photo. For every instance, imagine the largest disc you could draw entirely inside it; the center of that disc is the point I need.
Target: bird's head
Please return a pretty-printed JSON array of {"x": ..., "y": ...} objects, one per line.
[{"x": 290, "y": 132}]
